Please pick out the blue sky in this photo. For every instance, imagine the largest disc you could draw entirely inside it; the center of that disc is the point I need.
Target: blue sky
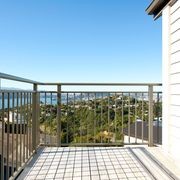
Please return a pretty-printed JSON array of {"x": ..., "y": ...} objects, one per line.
[{"x": 80, "y": 41}]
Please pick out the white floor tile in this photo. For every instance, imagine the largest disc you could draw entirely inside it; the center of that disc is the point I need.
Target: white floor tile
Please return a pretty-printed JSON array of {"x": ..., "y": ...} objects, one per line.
[{"x": 87, "y": 163}]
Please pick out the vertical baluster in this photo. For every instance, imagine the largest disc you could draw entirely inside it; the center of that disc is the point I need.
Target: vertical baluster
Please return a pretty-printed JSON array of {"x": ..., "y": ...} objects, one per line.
[
  {"x": 115, "y": 118},
  {"x": 38, "y": 119},
  {"x": 51, "y": 118},
  {"x": 45, "y": 118},
  {"x": 39, "y": 114},
  {"x": 27, "y": 125},
  {"x": 59, "y": 115},
  {"x": 24, "y": 127},
  {"x": 135, "y": 119},
  {"x": 108, "y": 117},
  {"x": 30, "y": 125},
  {"x": 12, "y": 169},
  {"x": 21, "y": 129},
  {"x": 81, "y": 120},
  {"x": 142, "y": 117},
  {"x": 34, "y": 117},
  {"x": 122, "y": 116},
  {"x": 94, "y": 117},
  {"x": 88, "y": 119},
  {"x": 17, "y": 130},
  {"x": 67, "y": 123},
  {"x": 150, "y": 97},
  {"x": 74, "y": 117},
  {"x": 8, "y": 131},
  {"x": 158, "y": 125},
  {"x": 129, "y": 120},
  {"x": 101, "y": 117},
  {"x": 2, "y": 142}
]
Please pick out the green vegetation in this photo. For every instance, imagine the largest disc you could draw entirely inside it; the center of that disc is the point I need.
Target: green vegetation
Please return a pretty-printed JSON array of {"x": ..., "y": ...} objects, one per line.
[{"x": 95, "y": 120}]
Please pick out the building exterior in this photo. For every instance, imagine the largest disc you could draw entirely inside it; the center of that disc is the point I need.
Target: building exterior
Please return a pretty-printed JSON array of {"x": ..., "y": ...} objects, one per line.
[{"x": 170, "y": 12}]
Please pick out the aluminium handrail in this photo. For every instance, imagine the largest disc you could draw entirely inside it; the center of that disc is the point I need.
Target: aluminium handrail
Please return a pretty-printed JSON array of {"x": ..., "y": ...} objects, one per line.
[
  {"x": 103, "y": 84},
  {"x": 98, "y": 91},
  {"x": 16, "y": 78}
]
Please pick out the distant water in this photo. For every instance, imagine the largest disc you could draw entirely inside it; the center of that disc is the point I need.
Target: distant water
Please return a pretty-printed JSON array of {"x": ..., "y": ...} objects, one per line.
[
  {"x": 51, "y": 99},
  {"x": 53, "y": 102},
  {"x": 10, "y": 103}
]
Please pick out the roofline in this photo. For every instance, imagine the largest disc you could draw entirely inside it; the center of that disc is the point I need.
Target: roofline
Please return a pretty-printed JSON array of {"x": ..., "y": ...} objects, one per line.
[
  {"x": 156, "y": 7},
  {"x": 150, "y": 8}
]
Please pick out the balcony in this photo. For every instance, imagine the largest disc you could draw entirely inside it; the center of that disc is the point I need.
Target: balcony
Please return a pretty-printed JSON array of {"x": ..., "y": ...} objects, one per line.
[{"x": 72, "y": 133}]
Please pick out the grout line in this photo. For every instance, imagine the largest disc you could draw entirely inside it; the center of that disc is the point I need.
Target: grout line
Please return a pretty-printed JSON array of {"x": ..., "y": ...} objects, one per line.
[
  {"x": 59, "y": 161},
  {"x": 74, "y": 163},
  {"x": 111, "y": 161},
  {"x": 97, "y": 162},
  {"x": 104, "y": 162},
  {"x": 116, "y": 159},
  {"x": 119, "y": 161},
  {"x": 81, "y": 161},
  {"x": 66, "y": 163},
  {"x": 41, "y": 166},
  {"x": 133, "y": 163},
  {"x": 45, "y": 161},
  {"x": 89, "y": 165}
]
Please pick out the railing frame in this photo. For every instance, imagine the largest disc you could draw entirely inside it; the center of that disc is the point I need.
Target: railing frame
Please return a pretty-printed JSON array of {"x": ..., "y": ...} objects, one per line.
[
  {"x": 35, "y": 106},
  {"x": 35, "y": 117},
  {"x": 150, "y": 127},
  {"x": 58, "y": 115},
  {"x": 150, "y": 97}
]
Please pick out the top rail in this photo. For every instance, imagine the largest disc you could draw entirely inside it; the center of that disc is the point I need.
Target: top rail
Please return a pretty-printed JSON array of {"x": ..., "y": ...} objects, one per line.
[
  {"x": 103, "y": 84},
  {"x": 20, "y": 79},
  {"x": 16, "y": 78}
]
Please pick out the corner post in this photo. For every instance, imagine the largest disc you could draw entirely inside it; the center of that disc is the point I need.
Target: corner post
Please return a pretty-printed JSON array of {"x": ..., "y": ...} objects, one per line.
[
  {"x": 34, "y": 117},
  {"x": 150, "y": 124}
]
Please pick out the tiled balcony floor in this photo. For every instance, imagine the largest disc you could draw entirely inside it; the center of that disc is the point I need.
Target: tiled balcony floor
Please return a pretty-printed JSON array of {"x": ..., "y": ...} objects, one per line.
[{"x": 87, "y": 163}]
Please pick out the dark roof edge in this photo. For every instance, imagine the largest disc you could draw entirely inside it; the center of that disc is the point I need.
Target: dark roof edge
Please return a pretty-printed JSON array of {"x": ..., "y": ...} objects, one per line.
[
  {"x": 156, "y": 7},
  {"x": 151, "y": 6}
]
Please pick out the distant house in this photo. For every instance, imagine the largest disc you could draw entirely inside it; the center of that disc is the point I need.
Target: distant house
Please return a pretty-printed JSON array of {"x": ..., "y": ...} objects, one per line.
[
  {"x": 170, "y": 12},
  {"x": 17, "y": 118},
  {"x": 19, "y": 123}
]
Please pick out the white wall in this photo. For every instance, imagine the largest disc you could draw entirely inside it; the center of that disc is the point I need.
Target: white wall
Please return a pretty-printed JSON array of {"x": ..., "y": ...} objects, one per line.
[{"x": 171, "y": 80}]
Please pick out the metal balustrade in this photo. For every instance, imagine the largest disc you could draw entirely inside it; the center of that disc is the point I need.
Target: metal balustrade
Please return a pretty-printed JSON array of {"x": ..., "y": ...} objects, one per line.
[
  {"x": 16, "y": 131},
  {"x": 74, "y": 118},
  {"x": 97, "y": 118}
]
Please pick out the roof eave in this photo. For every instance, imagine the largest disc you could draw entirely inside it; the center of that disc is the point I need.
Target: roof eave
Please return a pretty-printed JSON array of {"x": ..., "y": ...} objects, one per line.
[
  {"x": 150, "y": 9},
  {"x": 156, "y": 7}
]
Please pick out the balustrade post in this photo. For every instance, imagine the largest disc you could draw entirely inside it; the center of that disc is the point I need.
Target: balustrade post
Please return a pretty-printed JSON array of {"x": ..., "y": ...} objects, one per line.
[
  {"x": 150, "y": 124},
  {"x": 34, "y": 117},
  {"x": 59, "y": 115}
]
